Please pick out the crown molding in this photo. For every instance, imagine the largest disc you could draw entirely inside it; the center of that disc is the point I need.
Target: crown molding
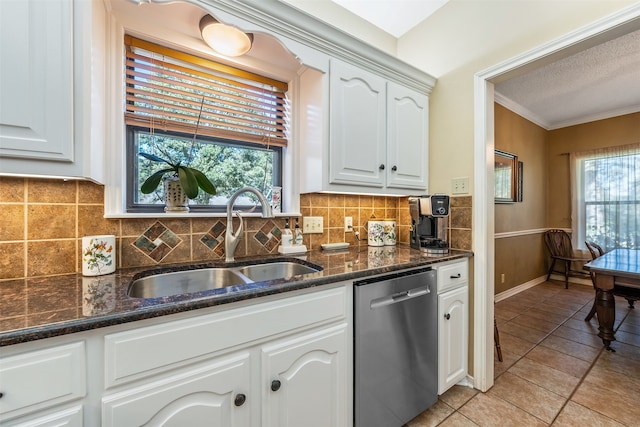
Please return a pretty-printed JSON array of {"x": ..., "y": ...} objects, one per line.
[{"x": 281, "y": 19}]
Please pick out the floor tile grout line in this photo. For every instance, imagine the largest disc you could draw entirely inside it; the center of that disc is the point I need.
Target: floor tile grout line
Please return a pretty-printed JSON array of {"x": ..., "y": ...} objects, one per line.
[
  {"x": 534, "y": 346},
  {"x": 581, "y": 379}
]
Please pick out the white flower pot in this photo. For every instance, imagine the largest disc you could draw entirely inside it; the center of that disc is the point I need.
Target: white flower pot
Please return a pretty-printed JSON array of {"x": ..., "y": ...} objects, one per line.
[{"x": 175, "y": 199}]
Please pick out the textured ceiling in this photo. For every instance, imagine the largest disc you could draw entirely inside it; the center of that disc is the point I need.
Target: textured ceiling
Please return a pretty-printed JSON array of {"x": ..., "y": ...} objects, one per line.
[{"x": 597, "y": 83}]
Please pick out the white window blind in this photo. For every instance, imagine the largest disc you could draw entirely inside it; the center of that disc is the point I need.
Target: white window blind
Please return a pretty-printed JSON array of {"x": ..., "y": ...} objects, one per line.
[
  {"x": 606, "y": 197},
  {"x": 174, "y": 91}
]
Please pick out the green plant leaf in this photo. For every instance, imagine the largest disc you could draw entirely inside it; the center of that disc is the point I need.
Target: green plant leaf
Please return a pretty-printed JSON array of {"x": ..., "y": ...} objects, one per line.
[
  {"x": 151, "y": 183},
  {"x": 155, "y": 158},
  {"x": 188, "y": 182},
  {"x": 203, "y": 182}
]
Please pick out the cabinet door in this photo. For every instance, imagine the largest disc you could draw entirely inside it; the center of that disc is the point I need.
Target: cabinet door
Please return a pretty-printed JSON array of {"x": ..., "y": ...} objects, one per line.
[
  {"x": 41, "y": 379},
  {"x": 304, "y": 380},
  {"x": 71, "y": 417},
  {"x": 210, "y": 396},
  {"x": 452, "y": 337},
  {"x": 407, "y": 138},
  {"x": 357, "y": 146},
  {"x": 36, "y": 80}
]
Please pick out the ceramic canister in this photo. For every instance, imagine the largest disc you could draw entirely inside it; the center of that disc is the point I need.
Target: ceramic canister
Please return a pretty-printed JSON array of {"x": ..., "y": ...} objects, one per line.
[
  {"x": 375, "y": 233},
  {"x": 389, "y": 236},
  {"x": 98, "y": 255}
]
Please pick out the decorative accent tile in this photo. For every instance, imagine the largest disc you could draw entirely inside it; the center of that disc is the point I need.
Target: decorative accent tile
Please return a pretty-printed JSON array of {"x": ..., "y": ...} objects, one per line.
[
  {"x": 214, "y": 238},
  {"x": 269, "y": 236},
  {"x": 157, "y": 241}
]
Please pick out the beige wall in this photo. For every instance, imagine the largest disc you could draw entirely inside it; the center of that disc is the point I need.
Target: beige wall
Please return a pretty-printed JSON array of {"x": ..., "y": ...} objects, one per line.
[
  {"x": 521, "y": 258},
  {"x": 547, "y": 195},
  {"x": 465, "y": 37},
  {"x": 621, "y": 130},
  {"x": 521, "y": 137}
]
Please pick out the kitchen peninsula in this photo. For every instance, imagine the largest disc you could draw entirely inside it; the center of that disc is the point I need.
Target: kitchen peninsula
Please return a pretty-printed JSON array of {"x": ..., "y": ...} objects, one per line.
[
  {"x": 117, "y": 360},
  {"x": 73, "y": 310}
]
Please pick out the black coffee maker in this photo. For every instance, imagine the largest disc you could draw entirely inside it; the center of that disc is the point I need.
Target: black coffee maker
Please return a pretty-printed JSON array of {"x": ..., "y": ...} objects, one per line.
[{"x": 429, "y": 223}]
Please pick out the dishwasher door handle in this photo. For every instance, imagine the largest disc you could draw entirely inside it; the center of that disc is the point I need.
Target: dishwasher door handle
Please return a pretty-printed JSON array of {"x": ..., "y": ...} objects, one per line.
[{"x": 400, "y": 297}]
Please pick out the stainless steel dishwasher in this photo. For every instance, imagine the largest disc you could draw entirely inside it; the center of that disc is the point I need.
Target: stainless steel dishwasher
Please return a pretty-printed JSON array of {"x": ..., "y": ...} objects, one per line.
[{"x": 395, "y": 348}]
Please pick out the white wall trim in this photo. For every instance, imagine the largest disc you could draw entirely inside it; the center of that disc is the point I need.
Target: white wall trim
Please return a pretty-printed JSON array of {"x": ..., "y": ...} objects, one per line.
[
  {"x": 523, "y": 287},
  {"x": 483, "y": 211},
  {"x": 518, "y": 233},
  {"x": 535, "y": 282},
  {"x": 533, "y": 118},
  {"x": 509, "y": 104}
]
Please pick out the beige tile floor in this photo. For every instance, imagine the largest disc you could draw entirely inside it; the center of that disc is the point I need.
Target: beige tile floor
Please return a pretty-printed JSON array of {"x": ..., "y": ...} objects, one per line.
[{"x": 555, "y": 371}]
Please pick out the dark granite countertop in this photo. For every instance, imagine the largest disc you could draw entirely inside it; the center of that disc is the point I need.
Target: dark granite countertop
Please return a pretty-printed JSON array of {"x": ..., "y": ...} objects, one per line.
[{"x": 32, "y": 309}]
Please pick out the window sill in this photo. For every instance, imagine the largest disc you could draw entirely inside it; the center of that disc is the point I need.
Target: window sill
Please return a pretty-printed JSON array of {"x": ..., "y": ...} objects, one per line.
[{"x": 192, "y": 215}]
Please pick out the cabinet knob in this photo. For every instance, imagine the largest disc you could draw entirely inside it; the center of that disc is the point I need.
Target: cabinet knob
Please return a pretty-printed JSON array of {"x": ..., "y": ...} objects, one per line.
[
  {"x": 381, "y": 167},
  {"x": 275, "y": 385},
  {"x": 1, "y": 394},
  {"x": 394, "y": 168},
  {"x": 447, "y": 316},
  {"x": 457, "y": 276},
  {"x": 240, "y": 399}
]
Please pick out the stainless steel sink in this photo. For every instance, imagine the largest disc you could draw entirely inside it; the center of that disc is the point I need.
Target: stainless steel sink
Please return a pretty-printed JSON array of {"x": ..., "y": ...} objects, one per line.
[
  {"x": 275, "y": 270},
  {"x": 184, "y": 282},
  {"x": 197, "y": 280}
]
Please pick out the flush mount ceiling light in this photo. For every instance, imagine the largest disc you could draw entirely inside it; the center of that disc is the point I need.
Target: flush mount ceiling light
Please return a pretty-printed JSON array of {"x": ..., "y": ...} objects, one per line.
[{"x": 224, "y": 39}]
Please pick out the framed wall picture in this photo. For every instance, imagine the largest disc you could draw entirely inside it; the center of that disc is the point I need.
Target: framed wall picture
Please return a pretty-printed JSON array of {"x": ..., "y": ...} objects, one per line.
[{"x": 506, "y": 177}]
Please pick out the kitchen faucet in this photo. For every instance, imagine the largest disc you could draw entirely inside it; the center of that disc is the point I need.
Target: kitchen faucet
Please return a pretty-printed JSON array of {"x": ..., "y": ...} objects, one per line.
[{"x": 232, "y": 239}]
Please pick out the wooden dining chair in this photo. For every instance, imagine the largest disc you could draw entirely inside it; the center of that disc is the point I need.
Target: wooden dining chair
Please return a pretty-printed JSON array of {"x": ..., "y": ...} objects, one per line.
[{"x": 560, "y": 248}]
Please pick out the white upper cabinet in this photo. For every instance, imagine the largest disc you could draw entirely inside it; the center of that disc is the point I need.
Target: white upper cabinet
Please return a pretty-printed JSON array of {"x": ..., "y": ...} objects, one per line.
[
  {"x": 407, "y": 138},
  {"x": 374, "y": 138},
  {"x": 357, "y": 143},
  {"x": 48, "y": 76}
]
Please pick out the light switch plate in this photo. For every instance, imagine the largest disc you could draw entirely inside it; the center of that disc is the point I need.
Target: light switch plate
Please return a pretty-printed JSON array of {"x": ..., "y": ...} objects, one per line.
[
  {"x": 460, "y": 185},
  {"x": 312, "y": 224}
]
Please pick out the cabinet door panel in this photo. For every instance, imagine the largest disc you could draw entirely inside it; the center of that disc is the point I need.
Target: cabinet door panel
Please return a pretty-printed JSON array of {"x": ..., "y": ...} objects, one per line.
[
  {"x": 452, "y": 337},
  {"x": 358, "y": 126},
  {"x": 36, "y": 41},
  {"x": 311, "y": 371},
  {"x": 407, "y": 142},
  {"x": 23, "y": 376},
  {"x": 71, "y": 417},
  {"x": 200, "y": 397}
]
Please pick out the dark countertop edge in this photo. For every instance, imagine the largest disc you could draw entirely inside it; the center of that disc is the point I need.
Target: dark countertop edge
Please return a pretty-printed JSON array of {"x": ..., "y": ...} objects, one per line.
[{"x": 80, "y": 325}]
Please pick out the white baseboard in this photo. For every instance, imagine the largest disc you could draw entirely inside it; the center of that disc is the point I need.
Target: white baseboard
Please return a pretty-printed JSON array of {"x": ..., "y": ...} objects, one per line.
[
  {"x": 516, "y": 290},
  {"x": 577, "y": 280},
  {"x": 531, "y": 283}
]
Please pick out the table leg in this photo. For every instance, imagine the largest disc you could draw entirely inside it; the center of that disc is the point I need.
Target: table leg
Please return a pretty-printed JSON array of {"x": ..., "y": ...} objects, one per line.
[{"x": 606, "y": 311}]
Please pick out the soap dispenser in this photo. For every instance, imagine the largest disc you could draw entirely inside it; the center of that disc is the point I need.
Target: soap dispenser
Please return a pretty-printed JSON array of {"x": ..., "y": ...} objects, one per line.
[
  {"x": 297, "y": 240},
  {"x": 287, "y": 236}
]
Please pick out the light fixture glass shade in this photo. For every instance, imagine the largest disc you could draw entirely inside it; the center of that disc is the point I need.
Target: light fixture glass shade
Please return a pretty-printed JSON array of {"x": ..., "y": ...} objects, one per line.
[{"x": 224, "y": 39}]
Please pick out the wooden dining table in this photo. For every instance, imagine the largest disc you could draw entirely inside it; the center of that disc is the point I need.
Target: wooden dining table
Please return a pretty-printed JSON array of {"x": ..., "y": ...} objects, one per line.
[{"x": 619, "y": 269}]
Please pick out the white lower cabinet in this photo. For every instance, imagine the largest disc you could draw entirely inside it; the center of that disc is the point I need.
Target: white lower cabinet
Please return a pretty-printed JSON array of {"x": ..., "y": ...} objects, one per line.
[
  {"x": 36, "y": 385},
  {"x": 453, "y": 324},
  {"x": 214, "y": 395},
  {"x": 71, "y": 417},
  {"x": 303, "y": 380},
  {"x": 279, "y": 363}
]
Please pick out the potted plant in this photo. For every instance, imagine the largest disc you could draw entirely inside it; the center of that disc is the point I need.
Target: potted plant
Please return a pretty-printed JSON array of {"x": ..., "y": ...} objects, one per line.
[{"x": 181, "y": 183}]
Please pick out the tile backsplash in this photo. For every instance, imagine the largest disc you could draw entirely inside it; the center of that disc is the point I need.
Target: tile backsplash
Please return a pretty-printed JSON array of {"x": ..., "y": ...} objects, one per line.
[{"x": 42, "y": 223}]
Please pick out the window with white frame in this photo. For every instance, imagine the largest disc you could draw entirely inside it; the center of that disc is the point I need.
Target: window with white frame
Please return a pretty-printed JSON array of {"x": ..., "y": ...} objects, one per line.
[
  {"x": 225, "y": 122},
  {"x": 606, "y": 197}
]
